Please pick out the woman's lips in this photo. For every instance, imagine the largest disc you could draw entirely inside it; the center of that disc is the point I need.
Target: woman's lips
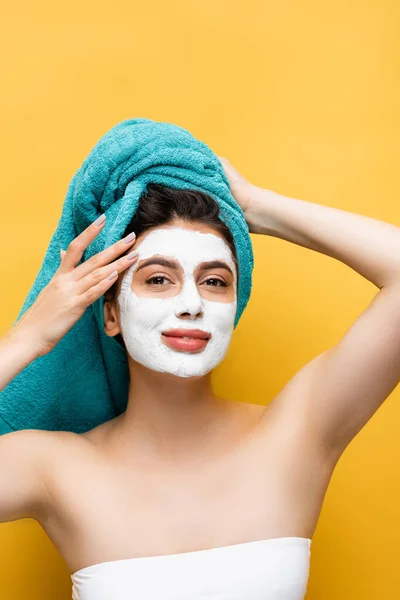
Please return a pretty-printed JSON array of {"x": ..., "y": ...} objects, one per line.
[{"x": 186, "y": 343}]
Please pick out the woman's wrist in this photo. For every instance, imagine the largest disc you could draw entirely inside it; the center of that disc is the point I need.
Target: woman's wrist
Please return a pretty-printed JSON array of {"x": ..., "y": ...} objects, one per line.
[
  {"x": 24, "y": 339},
  {"x": 17, "y": 350},
  {"x": 260, "y": 210}
]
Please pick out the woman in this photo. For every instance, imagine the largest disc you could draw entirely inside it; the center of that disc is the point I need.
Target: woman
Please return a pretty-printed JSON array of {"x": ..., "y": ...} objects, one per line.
[{"x": 185, "y": 494}]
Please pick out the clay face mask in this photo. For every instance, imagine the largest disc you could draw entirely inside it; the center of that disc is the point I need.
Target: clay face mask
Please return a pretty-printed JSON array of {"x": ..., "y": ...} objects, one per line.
[{"x": 144, "y": 318}]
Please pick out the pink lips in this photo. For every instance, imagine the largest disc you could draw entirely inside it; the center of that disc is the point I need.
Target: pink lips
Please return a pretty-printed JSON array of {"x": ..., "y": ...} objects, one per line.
[{"x": 186, "y": 340}]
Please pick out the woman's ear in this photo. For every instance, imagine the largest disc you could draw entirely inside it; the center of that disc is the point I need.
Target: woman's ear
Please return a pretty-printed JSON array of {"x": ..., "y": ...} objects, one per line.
[{"x": 110, "y": 313}]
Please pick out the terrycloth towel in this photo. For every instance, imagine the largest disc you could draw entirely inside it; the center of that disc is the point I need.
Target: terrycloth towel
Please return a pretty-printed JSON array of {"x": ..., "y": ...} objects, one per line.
[{"x": 84, "y": 380}]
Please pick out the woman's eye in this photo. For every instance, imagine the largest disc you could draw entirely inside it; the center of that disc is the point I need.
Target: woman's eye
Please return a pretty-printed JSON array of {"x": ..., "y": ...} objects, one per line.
[
  {"x": 154, "y": 278},
  {"x": 220, "y": 281}
]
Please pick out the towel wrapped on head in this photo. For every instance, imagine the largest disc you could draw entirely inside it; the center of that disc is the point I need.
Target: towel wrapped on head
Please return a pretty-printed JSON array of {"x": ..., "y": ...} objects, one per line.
[{"x": 84, "y": 380}]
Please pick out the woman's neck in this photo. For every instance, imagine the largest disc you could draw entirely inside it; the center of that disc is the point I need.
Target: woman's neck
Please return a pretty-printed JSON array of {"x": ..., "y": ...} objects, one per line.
[{"x": 170, "y": 417}]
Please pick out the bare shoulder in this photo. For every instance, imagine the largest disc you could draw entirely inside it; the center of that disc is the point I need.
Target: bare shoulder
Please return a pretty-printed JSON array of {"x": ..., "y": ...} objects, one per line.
[
  {"x": 59, "y": 458},
  {"x": 60, "y": 448},
  {"x": 41, "y": 442},
  {"x": 26, "y": 458},
  {"x": 31, "y": 445},
  {"x": 40, "y": 449},
  {"x": 44, "y": 451}
]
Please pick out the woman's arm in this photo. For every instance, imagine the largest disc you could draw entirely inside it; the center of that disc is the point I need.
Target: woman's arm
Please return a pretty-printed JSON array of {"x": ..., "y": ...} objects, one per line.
[
  {"x": 18, "y": 349},
  {"x": 344, "y": 386},
  {"x": 339, "y": 390},
  {"x": 369, "y": 246}
]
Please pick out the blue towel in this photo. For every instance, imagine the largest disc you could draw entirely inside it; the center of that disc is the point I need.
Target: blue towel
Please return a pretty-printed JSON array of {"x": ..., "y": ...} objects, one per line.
[{"x": 84, "y": 380}]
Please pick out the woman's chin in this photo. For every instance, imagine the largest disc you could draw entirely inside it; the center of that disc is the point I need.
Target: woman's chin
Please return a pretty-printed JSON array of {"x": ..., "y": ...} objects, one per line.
[
  {"x": 166, "y": 373},
  {"x": 179, "y": 376}
]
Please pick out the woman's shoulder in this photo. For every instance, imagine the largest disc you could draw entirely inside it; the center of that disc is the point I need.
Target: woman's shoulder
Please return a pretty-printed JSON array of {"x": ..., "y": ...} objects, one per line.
[{"x": 59, "y": 451}]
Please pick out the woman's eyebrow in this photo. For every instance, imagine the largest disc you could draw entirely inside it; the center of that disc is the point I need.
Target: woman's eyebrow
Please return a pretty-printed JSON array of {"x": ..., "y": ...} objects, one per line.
[
  {"x": 164, "y": 262},
  {"x": 215, "y": 264}
]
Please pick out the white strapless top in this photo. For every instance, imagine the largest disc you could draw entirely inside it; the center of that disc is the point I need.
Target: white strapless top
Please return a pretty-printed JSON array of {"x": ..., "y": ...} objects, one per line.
[{"x": 273, "y": 569}]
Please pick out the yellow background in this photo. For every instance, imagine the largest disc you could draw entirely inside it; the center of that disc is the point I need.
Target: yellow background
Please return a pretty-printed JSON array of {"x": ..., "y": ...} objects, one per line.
[{"x": 303, "y": 98}]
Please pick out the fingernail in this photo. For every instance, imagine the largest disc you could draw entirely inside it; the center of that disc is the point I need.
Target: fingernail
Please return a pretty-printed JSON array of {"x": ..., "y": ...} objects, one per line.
[
  {"x": 129, "y": 237},
  {"x": 132, "y": 254},
  {"x": 100, "y": 220}
]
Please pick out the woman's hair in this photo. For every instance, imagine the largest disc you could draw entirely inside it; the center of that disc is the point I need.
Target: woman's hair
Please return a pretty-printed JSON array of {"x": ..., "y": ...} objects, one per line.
[{"x": 159, "y": 205}]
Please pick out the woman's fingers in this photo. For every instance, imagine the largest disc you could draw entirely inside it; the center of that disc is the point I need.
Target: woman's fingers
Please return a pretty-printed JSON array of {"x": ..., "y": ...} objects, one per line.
[
  {"x": 104, "y": 257},
  {"x": 63, "y": 301},
  {"x": 74, "y": 252},
  {"x": 93, "y": 285},
  {"x": 92, "y": 278}
]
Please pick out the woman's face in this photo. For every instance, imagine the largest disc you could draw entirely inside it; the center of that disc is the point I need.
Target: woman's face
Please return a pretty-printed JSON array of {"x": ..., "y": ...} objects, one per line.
[{"x": 184, "y": 278}]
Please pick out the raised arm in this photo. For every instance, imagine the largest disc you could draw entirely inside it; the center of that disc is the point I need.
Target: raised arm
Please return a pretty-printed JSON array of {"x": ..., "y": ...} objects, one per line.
[
  {"x": 24, "y": 454},
  {"x": 344, "y": 386},
  {"x": 349, "y": 382}
]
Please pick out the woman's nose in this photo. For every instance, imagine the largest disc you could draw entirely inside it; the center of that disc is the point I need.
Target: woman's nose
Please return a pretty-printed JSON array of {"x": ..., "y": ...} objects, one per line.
[{"x": 189, "y": 301}]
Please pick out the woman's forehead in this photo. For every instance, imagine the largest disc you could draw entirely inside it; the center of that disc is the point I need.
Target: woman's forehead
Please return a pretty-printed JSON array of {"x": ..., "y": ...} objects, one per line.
[{"x": 185, "y": 245}]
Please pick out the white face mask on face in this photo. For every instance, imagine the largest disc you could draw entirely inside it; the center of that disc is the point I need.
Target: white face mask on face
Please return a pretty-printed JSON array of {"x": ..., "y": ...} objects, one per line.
[{"x": 143, "y": 319}]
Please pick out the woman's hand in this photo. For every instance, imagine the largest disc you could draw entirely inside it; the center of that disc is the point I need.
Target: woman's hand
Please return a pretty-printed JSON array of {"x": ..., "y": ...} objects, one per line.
[
  {"x": 244, "y": 192},
  {"x": 73, "y": 288}
]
